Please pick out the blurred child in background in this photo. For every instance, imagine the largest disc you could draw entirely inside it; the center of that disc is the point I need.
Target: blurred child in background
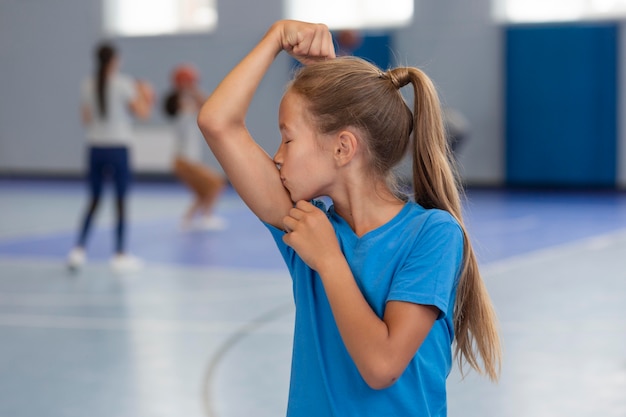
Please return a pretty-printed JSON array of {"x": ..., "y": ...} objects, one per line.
[{"x": 182, "y": 104}]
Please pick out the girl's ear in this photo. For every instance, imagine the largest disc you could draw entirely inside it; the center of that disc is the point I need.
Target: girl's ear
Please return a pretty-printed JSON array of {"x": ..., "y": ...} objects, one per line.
[{"x": 345, "y": 147}]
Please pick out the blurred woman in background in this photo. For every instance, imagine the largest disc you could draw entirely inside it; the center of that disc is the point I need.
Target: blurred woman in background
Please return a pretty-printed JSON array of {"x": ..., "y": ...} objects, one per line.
[{"x": 109, "y": 102}]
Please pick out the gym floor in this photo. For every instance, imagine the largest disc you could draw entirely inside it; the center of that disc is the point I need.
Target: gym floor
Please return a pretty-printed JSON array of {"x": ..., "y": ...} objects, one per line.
[{"x": 205, "y": 328}]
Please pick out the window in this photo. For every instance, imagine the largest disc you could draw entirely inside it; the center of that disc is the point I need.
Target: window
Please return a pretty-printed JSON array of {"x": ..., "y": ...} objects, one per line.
[
  {"x": 352, "y": 14},
  {"x": 527, "y": 11},
  {"x": 158, "y": 17}
]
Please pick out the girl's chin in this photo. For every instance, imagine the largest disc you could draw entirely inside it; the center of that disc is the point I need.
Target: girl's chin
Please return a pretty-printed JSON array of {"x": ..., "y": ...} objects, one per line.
[{"x": 295, "y": 197}]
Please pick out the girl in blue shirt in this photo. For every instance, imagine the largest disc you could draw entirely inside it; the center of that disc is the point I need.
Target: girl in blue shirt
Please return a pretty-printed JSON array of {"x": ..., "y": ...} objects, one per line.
[{"x": 384, "y": 286}]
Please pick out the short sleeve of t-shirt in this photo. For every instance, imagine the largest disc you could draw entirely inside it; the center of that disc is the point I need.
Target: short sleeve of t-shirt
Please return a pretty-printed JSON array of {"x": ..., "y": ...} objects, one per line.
[
  {"x": 428, "y": 277},
  {"x": 287, "y": 252}
]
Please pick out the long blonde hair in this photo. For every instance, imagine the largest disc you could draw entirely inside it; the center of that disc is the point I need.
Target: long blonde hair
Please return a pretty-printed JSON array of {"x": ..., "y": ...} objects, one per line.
[{"x": 350, "y": 91}]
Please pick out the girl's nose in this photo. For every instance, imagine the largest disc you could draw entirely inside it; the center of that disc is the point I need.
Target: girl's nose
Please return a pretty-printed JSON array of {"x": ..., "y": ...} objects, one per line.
[{"x": 278, "y": 158}]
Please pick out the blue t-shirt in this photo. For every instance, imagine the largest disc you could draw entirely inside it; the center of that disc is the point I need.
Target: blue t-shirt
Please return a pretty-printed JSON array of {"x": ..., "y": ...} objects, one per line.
[{"x": 415, "y": 258}]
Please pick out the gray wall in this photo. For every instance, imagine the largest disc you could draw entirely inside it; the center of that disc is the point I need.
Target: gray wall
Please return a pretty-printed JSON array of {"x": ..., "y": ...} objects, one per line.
[
  {"x": 46, "y": 49},
  {"x": 459, "y": 46}
]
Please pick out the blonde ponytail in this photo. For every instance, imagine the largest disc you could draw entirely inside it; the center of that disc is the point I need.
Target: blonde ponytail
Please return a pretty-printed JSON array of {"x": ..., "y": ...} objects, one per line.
[{"x": 435, "y": 185}]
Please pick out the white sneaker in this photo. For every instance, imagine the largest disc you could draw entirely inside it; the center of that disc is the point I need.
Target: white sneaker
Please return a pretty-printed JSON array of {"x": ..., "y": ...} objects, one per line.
[
  {"x": 76, "y": 258},
  {"x": 212, "y": 223},
  {"x": 126, "y": 263}
]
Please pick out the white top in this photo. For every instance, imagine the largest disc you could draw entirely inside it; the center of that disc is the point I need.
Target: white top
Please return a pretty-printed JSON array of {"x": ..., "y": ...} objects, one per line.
[{"x": 116, "y": 128}]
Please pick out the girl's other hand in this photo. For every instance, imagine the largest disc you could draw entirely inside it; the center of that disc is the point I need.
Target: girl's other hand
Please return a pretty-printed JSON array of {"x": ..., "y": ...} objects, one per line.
[
  {"x": 306, "y": 42},
  {"x": 311, "y": 235}
]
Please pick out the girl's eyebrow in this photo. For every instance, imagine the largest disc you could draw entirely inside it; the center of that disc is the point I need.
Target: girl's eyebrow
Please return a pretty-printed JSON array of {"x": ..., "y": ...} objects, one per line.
[{"x": 284, "y": 129}]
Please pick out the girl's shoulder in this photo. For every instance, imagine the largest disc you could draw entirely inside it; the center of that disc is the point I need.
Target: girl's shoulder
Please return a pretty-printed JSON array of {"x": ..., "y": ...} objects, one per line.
[
  {"x": 416, "y": 209},
  {"x": 429, "y": 217}
]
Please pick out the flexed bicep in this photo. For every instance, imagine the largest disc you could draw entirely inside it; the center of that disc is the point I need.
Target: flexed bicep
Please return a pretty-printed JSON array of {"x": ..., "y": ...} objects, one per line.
[
  {"x": 254, "y": 176},
  {"x": 249, "y": 168}
]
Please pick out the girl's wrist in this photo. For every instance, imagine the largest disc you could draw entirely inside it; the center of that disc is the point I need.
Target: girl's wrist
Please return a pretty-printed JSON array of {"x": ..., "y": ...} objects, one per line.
[
  {"x": 332, "y": 265},
  {"x": 275, "y": 34}
]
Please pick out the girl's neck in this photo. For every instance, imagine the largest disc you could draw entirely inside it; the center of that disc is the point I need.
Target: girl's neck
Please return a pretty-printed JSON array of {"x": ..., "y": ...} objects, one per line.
[{"x": 368, "y": 207}]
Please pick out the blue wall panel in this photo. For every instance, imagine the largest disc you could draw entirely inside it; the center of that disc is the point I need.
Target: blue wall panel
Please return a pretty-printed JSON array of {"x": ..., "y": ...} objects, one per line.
[
  {"x": 561, "y": 105},
  {"x": 376, "y": 48}
]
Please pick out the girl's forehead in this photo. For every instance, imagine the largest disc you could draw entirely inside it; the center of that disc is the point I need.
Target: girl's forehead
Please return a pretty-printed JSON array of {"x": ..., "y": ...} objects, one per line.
[
  {"x": 294, "y": 115},
  {"x": 291, "y": 97},
  {"x": 292, "y": 105}
]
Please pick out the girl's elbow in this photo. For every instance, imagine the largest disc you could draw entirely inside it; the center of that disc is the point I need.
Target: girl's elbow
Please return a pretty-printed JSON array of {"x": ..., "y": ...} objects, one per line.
[
  {"x": 380, "y": 377},
  {"x": 203, "y": 123},
  {"x": 211, "y": 126}
]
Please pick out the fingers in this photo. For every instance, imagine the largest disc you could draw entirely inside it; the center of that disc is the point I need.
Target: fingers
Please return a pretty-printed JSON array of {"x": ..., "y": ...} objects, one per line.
[
  {"x": 314, "y": 41},
  {"x": 296, "y": 214},
  {"x": 308, "y": 40},
  {"x": 289, "y": 223},
  {"x": 305, "y": 206}
]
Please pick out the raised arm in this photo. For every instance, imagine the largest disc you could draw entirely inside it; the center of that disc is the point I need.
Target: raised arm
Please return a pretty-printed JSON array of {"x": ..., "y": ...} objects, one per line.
[
  {"x": 249, "y": 168},
  {"x": 141, "y": 105}
]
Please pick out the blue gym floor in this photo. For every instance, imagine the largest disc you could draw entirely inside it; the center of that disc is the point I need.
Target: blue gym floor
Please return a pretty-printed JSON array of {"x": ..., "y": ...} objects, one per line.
[{"x": 205, "y": 328}]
